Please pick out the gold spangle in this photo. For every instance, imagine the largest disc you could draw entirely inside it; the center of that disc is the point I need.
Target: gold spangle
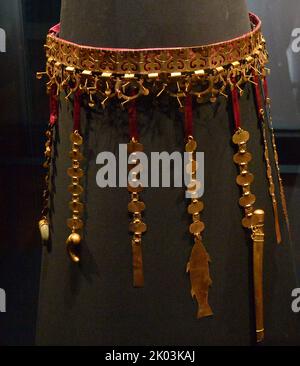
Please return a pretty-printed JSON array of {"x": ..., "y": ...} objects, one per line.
[
  {"x": 137, "y": 227},
  {"x": 75, "y": 189},
  {"x": 133, "y": 146},
  {"x": 197, "y": 227},
  {"x": 133, "y": 189},
  {"x": 240, "y": 137},
  {"x": 249, "y": 221},
  {"x": 75, "y": 172},
  {"x": 247, "y": 200},
  {"x": 242, "y": 159},
  {"x": 76, "y": 138},
  {"x": 194, "y": 186},
  {"x": 195, "y": 207},
  {"x": 191, "y": 167},
  {"x": 136, "y": 206},
  {"x": 74, "y": 224},
  {"x": 76, "y": 155},
  {"x": 191, "y": 146},
  {"x": 76, "y": 206},
  {"x": 245, "y": 179}
]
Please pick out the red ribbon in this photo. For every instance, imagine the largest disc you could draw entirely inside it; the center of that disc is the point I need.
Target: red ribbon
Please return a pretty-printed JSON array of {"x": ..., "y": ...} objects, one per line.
[
  {"x": 76, "y": 111},
  {"x": 53, "y": 106},
  {"x": 236, "y": 107},
  {"x": 132, "y": 117},
  {"x": 266, "y": 89},
  {"x": 188, "y": 121}
]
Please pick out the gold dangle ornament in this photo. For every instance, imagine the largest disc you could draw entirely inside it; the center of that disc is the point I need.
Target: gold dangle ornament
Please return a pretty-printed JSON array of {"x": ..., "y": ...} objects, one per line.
[
  {"x": 198, "y": 265},
  {"x": 75, "y": 223},
  {"x": 136, "y": 207}
]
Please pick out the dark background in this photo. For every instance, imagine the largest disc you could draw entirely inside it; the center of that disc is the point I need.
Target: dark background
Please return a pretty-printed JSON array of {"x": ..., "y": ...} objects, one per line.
[{"x": 23, "y": 118}]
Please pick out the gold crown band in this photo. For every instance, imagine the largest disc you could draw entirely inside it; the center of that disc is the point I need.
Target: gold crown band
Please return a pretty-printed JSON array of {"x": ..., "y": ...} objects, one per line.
[{"x": 204, "y": 71}]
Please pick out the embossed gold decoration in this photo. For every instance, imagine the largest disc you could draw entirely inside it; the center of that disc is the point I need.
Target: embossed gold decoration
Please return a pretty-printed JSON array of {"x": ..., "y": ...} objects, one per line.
[
  {"x": 203, "y": 71},
  {"x": 137, "y": 227},
  {"x": 75, "y": 223},
  {"x": 198, "y": 265}
]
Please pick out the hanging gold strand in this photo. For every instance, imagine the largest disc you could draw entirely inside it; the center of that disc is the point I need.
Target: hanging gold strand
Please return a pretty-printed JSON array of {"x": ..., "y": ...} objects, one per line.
[
  {"x": 44, "y": 222},
  {"x": 261, "y": 117},
  {"x": 75, "y": 223},
  {"x": 75, "y": 173},
  {"x": 271, "y": 181},
  {"x": 253, "y": 219},
  {"x": 137, "y": 227},
  {"x": 275, "y": 152},
  {"x": 198, "y": 265}
]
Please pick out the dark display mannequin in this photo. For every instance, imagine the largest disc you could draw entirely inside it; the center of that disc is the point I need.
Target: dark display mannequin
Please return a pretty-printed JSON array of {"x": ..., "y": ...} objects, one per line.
[{"x": 94, "y": 303}]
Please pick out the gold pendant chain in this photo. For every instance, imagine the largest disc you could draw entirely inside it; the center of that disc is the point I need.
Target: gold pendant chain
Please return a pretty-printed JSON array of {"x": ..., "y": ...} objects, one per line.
[
  {"x": 198, "y": 265},
  {"x": 276, "y": 158},
  {"x": 75, "y": 173},
  {"x": 137, "y": 227},
  {"x": 270, "y": 178},
  {"x": 44, "y": 222}
]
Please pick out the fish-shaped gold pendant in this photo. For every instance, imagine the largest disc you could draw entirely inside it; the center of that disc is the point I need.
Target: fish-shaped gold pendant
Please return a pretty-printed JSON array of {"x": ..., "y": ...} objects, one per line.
[{"x": 198, "y": 267}]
